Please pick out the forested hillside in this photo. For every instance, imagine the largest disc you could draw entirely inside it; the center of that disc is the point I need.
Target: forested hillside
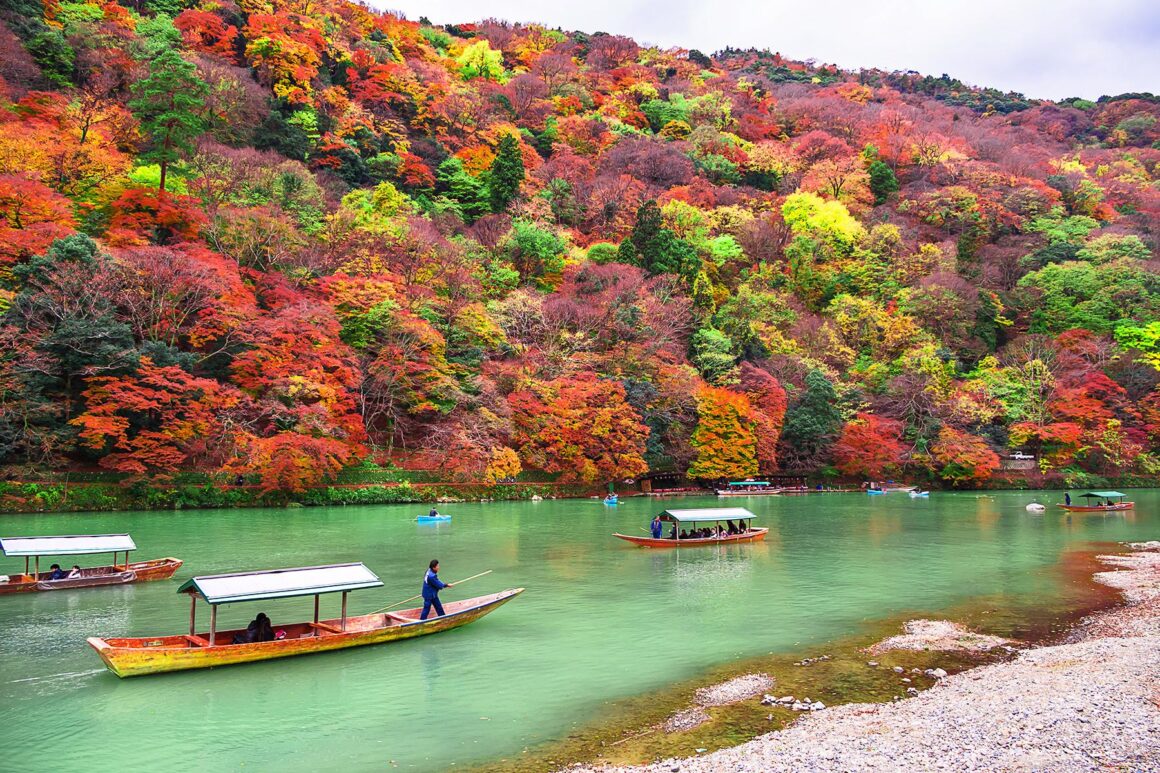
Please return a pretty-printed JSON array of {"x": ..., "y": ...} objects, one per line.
[{"x": 279, "y": 238}]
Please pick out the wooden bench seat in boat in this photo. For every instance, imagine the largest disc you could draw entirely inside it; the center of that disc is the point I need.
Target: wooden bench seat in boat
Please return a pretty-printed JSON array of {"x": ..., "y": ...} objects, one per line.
[
  {"x": 196, "y": 641},
  {"x": 325, "y": 627}
]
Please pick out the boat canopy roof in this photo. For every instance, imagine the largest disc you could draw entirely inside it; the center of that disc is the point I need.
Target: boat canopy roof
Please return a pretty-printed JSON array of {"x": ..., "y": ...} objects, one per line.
[
  {"x": 281, "y": 583},
  {"x": 748, "y": 483},
  {"x": 1103, "y": 494},
  {"x": 707, "y": 514},
  {"x": 70, "y": 545}
]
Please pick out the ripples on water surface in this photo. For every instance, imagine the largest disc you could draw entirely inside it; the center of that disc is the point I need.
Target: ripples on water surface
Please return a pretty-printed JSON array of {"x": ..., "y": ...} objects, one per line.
[{"x": 600, "y": 620}]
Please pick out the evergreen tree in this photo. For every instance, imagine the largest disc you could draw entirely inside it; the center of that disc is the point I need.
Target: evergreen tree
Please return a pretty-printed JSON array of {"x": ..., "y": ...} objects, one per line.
[
  {"x": 882, "y": 181},
  {"x": 812, "y": 423},
  {"x": 168, "y": 105},
  {"x": 647, "y": 228},
  {"x": 505, "y": 174},
  {"x": 656, "y": 249},
  {"x": 469, "y": 193}
]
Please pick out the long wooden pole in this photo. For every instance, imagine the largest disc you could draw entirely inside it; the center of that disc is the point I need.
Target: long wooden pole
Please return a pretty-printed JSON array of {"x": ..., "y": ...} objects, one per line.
[{"x": 404, "y": 601}]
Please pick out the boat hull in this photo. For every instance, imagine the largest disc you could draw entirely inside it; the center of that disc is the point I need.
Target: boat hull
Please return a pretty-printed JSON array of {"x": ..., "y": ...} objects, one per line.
[
  {"x": 138, "y": 571},
  {"x": 753, "y": 535},
  {"x": 764, "y": 493},
  {"x": 1099, "y": 508},
  {"x": 433, "y": 518},
  {"x": 127, "y": 657}
]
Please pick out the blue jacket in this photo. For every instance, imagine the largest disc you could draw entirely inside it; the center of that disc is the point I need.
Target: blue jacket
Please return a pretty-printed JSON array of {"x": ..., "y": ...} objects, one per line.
[
  {"x": 432, "y": 585},
  {"x": 657, "y": 528}
]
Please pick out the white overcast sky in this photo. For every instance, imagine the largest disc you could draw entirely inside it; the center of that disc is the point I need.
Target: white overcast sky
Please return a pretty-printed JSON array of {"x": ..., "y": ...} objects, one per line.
[{"x": 1048, "y": 49}]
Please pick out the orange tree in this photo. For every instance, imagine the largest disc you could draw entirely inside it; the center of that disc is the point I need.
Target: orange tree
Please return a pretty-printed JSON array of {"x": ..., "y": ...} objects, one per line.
[
  {"x": 963, "y": 457},
  {"x": 155, "y": 421},
  {"x": 725, "y": 440},
  {"x": 869, "y": 447},
  {"x": 581, "y": 427}
]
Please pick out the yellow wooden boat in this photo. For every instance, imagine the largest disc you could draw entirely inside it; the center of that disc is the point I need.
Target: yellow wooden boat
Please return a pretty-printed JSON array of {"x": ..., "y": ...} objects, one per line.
[{"x": 139, "y": 656}]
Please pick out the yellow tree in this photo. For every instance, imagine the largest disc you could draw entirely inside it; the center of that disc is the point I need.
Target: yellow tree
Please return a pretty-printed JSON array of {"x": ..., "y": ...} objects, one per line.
[{"x": 725, "y": 440}]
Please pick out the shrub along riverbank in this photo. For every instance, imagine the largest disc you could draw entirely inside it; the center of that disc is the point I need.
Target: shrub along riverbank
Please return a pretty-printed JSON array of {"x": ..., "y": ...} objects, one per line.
[
  {"x": 81, "y": 497},
  {"x": 104, "y": 491}
]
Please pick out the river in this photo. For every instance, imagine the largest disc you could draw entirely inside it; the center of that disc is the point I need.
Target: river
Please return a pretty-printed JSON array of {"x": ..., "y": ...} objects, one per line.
[{"x": 601, "y": 620}]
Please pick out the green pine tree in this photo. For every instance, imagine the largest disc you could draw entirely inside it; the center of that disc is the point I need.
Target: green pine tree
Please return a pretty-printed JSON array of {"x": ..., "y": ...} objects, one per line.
[
  {"x": 505, "y": 174},
  {"x": 812, "y": 422},
  {"x": 168, "y": 103},
  {"x": 882, "y": 181}
]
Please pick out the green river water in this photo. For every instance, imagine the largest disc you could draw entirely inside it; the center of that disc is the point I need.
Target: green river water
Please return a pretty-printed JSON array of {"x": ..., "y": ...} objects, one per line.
[{"x": 601, "y": 620}]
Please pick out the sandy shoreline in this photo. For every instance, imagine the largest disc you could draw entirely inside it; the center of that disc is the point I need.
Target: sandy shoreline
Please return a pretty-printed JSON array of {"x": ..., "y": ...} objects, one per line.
[{"x": 1089, "y": 704}]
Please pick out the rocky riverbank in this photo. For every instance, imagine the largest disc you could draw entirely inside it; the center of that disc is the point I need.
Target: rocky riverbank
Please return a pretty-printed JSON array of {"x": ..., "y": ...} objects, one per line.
[{"x": 1091, "y": 703}]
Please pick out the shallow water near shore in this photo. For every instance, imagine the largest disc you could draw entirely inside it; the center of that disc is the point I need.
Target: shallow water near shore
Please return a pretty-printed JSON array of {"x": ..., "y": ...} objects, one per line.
[{"x": 601, "y": 621}]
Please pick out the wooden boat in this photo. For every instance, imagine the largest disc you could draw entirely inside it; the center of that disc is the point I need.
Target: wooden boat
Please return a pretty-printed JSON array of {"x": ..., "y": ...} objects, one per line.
[
  {"x": 747, "y": 488},
  {"x": 138, "y": 656},
  {"x": 716, "y": 516},
  {"x": 1107, "y": 496},
  {"x": 32, "y": 548},
  {"x": 433, "y": 518}
]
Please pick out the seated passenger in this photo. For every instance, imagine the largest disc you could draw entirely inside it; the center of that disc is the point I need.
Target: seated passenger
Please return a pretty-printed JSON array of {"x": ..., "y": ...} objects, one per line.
[
  {"x": 673, "y": 533},
  {"x": 258, "y": 630},
  {"x": 56, "y": 573},
  {"x": 75, "y": 572},
  {"x": 684, "y": 535},
  {"x": 732, "y": 527}
]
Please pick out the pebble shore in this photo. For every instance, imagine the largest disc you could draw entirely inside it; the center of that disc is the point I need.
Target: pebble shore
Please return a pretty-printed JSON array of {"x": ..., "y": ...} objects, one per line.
[{"x": 1089, "y": 704}]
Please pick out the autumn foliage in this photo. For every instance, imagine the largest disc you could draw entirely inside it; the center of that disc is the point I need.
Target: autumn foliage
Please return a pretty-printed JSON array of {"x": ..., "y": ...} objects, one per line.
[
  {"x": 276, "y": 240},
  {"x": 725, "y": 440},
  {"x": 963, "y": 458},
  {"x": 869, "y": 447},
  {"x": 580, "y": 427}
]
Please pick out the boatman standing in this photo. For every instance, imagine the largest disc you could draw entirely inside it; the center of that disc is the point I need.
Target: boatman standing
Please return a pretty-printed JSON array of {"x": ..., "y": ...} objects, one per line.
[
  {"x": 657, "y": 527},
  {"x": 431, "y": 587}
]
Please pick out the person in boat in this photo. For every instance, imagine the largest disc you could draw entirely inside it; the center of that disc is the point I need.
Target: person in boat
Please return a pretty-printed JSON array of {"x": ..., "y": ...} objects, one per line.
[
  {"x": 673, "y": 533},
  {"x": 434, "y": 512},
  {"x": 431, "y": 587},
  {"x": 75, "y": 571},
  {"x": 657, "y": 527},
  {"x": 56, "y": 573},
  {"x": 1067, "y": 497},
  {"x": 730, "y": 527},
  {"x": 258, "y": 630},
  {"x": 684, "y": 534}
]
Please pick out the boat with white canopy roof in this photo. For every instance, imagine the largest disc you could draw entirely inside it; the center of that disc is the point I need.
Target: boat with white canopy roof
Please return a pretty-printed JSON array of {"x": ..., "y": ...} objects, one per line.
[
  {"x": 156, "y": 654},
  {"x": 32, "y": 549},
  {"x": 674, "y": 522}
]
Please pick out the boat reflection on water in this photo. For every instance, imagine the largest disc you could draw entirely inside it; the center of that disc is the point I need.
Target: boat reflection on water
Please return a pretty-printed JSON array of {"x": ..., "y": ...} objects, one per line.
[{"x": 708, "y": 571}]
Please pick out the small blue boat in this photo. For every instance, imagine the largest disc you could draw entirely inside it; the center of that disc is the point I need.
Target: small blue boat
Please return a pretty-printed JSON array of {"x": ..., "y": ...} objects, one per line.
[
  {"x": 612, "y": 500},
  {"x": 920, "y": 495},
  {"x": 875, "y": 491},
  {"x": 433, "y": 518}
]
